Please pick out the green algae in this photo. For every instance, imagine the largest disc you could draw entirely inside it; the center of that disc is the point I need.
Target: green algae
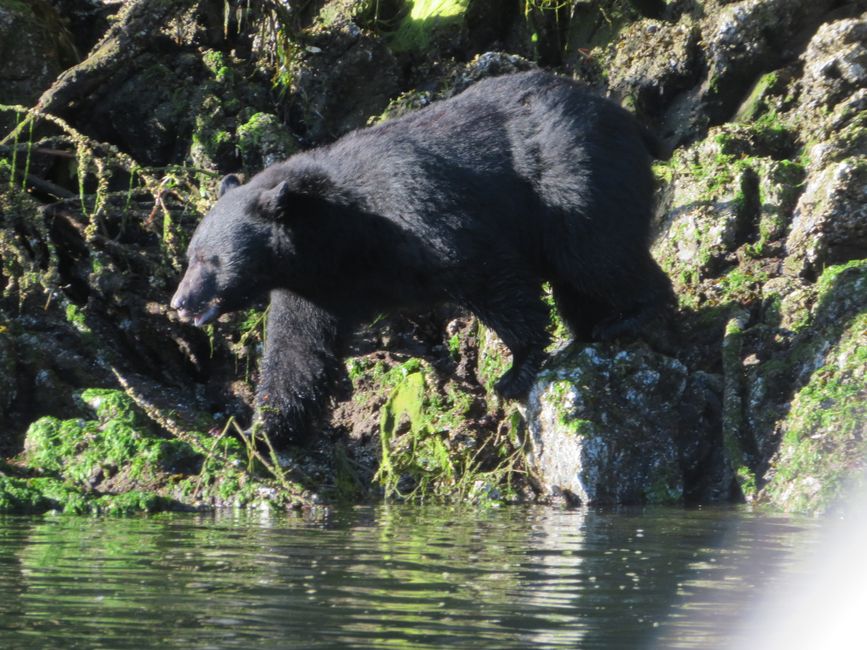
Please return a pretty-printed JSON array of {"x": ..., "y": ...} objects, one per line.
[
  {"x": 119, "y": 463},
  {"x": 426, "y": 452},
  {"x": 824, "y": 442},
  {"x": 87, "y": 451},
  {"x": 756, "y": 103},
  {"x": 493, "y": 360},
  {"x": 263, "y": 140},
  {"x": 736, "y": 444},
  {"x": 425, "y": 18}
]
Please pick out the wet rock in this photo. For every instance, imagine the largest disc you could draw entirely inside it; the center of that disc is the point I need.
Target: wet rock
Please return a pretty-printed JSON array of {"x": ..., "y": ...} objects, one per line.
[
  {"x": 603, "y": 426},
  {"x": 835, "y": 67},
  {"x": 263, "y": 140},
  {"x": 86, "y": 20},
  {"x": 489, "y": 64},
  {"x": 710, "y": 211},
  {"x": 830, "y": 224},
  {"x": 830, "y": 221},
  {"x": 739, "y": 41},
  {"x": 823, "y": 428},
  {"x": 652, "y": 62},
  {"x": 746, "y": 38},
  {"x": 129, "y": 93},
  {"x": 728, "y": 199}
]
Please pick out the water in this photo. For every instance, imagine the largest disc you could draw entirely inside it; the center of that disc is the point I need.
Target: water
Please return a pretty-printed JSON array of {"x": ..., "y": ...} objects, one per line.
[{"x": 410, "y": 577}]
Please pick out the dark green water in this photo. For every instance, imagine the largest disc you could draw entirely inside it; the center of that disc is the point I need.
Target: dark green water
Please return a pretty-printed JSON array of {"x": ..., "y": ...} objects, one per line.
[{"x": 408, "y": 577}]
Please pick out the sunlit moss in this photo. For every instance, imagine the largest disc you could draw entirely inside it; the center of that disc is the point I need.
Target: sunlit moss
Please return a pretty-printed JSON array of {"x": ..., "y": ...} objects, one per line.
[{"x": 425, "y": 17}]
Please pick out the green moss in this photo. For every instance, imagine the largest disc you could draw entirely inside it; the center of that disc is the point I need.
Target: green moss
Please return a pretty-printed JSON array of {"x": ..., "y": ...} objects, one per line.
[
  {"x": 825, "y": 433},
  {"x": 454, "y": 344},
  {"x": 756, "y": 103},
  {"x": 424, "y": 19},
  {"x": 492, "y": 361},
  {"x": 76, "y": 318},
  {"x": 38, "y": 495},
  {"x": 561, "y": 397},
  {"x": 404, "y": 103},
  {"x": 663, "y": 171},
  {"x": 418, "y": 454},
  {"x": 665, "y": 489},
  {"x": 215, "y": 62},
  {"x": 556, "y": 327},
  {"x": 88, "y": 451},
  {"x": 118, "y": 463},
  {"x": 831, "y": 275},
  {"x": 741, "y": 285},
  {"x": 262, "y": 139},
  {"x": 16, "y": 5}
]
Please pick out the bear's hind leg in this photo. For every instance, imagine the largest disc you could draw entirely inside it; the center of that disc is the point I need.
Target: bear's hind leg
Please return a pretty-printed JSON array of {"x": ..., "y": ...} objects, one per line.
[
  {"x": 652, "y": 297},
  {"x": 520, "y": 318},
  {"x": 297, "y": 368},
  {"x": 579, "y": 312}
]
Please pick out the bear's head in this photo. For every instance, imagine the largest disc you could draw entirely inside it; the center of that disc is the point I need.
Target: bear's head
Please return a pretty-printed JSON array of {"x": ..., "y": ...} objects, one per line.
[{"x": 231, "y": 259}]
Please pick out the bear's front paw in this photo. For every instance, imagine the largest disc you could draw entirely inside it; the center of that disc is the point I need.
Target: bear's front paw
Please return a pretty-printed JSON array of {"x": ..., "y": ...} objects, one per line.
[{"x": 281, "y": 423}]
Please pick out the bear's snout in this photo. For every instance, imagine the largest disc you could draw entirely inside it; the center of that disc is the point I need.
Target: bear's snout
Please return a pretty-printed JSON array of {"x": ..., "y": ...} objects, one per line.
[
  {"x": 180, "y": 303},
  {"x": 193, "y": 308}
]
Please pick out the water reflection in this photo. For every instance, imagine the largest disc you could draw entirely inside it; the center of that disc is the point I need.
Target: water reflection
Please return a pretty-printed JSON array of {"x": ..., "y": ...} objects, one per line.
[{"x": 389, "y": 577}]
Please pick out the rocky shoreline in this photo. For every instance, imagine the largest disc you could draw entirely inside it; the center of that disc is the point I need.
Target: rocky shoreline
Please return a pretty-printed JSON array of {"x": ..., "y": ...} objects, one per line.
[{"x": 130, "y": 112}]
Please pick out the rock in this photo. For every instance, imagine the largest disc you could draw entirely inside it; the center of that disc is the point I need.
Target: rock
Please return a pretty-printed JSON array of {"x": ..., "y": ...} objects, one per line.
[
  {"x": 822, "y": 435},
  {"x": 34, "y": 48},
  {"x": 86, "y": 20},
  {"x": 603, "y": 426},
  {"x": 641, "y": 76},
  {"x": 489, "y": 64},
  {"x": 8, "y": 383},
  {"x": 264, "y": 140},
  {"x": 835, "y": 67},
  {"x": 830, "y": 221},
  {"x": 710, "y": 210},
  {"x": 341, "y": 78},
  {"x": 746, "y": 38}
]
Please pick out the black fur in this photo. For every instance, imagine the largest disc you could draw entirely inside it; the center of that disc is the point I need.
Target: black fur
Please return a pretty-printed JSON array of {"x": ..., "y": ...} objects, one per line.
[{"x": 475, "y": 200}]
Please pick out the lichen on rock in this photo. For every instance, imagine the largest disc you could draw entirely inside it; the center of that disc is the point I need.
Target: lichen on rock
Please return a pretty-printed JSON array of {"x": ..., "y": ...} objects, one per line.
[{"x": 603, "y": 426}]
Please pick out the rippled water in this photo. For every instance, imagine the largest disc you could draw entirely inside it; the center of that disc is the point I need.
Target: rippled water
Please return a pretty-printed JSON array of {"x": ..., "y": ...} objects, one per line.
[{"x": 411, "y": 577}]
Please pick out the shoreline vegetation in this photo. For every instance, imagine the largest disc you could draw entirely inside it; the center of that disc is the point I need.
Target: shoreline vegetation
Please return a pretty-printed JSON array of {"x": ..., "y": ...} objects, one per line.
[{"x": 117, "y": 121}]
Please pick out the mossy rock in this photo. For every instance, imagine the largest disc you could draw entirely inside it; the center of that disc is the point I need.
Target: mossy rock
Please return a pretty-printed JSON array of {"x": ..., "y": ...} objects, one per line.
[
  {"x": 426, "y": 21},
  {"x": 119, "y": 463},
  {"x": 263, "y": 140},
  {"x": 603, "y": 426},
  {"x": 90, "y": 451},
  {"x": 824, "y": 435}
]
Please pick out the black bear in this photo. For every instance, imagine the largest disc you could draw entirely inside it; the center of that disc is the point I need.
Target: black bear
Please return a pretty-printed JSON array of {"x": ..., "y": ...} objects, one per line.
[{"x": 475, "y": 200}]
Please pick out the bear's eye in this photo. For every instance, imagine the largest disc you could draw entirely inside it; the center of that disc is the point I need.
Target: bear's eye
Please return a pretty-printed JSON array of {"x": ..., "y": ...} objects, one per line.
[{"x": 213, "y": 260}]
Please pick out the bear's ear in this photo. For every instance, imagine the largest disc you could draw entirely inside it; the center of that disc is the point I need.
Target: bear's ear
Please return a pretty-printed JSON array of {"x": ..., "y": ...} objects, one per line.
[
  {"x": 273, "y": 202},
  {"x": 228, "y": 183}
]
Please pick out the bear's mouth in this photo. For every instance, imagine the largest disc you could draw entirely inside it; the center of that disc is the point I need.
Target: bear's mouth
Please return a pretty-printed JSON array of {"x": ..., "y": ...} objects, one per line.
[{"x": 202, "y": 317}]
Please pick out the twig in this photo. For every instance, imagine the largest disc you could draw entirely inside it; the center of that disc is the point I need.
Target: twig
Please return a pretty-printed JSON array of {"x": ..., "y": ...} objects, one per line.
[
  {"x": 49, "y": 188},
  {"x": 154, "y": 413}
]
